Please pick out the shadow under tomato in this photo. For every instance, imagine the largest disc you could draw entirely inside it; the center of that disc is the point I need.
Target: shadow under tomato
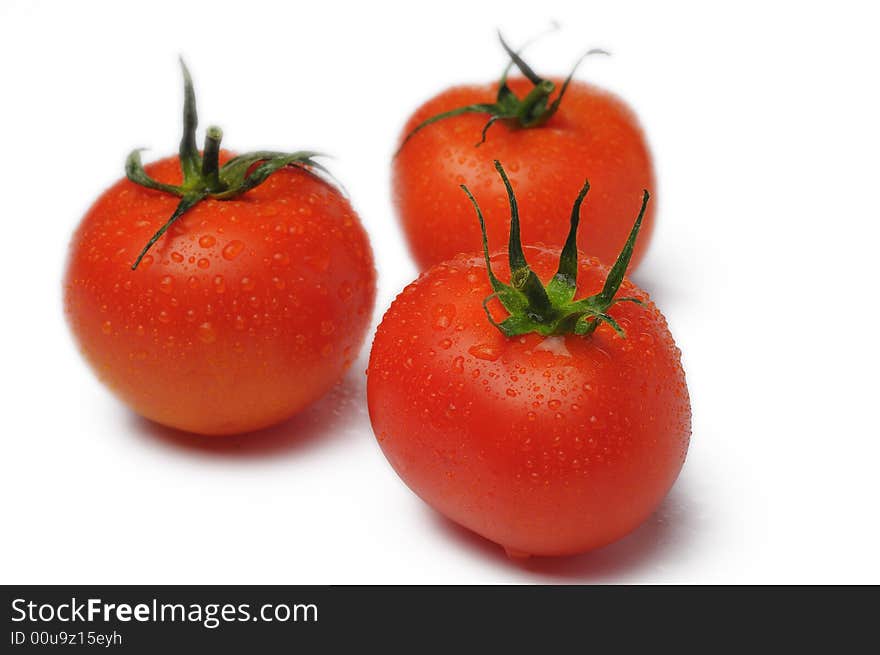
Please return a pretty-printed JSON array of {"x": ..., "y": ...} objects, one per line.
[
  {"x": 335, "y": 415},
  {"x": 667, "y": 531}
]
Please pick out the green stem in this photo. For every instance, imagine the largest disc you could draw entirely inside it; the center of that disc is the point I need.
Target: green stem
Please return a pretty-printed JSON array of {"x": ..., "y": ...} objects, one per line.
[
  {"x": 211, "y": 159},
  {"x": 531, "y": 111},
  {"x": 203, "y": 177},
  {"x": 190, "y": 162},
  {"x": 531, "y": 306}
]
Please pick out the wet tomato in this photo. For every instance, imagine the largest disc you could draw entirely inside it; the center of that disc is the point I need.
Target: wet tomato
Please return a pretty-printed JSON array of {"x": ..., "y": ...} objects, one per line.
[
  {"x": 552, "y": 426},
  {"x": 252, "y": 304},
  {"x": 547, "y": 151}
]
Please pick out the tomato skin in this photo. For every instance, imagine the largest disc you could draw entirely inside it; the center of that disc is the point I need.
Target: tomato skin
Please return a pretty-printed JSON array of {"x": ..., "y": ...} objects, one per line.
[
  {"x": 242, "y": 313},
  {"x": 593, "y": 135},
  {"x": 547, "y": 447}
]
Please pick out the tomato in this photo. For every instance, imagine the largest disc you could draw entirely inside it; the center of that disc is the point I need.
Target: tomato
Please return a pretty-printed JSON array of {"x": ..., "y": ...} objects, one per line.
[
  {"x": 548, "y": 444},
  {"x": 243, "y": 312},
  {"x": 592, "y": 134}
]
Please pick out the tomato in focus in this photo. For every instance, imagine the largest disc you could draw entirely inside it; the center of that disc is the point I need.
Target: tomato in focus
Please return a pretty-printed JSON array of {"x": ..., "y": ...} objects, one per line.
[
  {"x": 244, "y": 312},
  {"x": 546, "y": 445},
  {"x": 219, "y": 293}
]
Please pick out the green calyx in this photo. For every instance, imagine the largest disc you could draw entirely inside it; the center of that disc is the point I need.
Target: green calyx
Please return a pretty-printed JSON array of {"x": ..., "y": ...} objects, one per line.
[
  {"x": 551, "y": 308},
  {"x": 203, "y": 177},
  {"x": 533, "y": 110}
]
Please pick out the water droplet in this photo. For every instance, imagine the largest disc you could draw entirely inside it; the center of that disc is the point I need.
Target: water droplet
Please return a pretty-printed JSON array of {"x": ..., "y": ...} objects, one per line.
[
  {"x": 319, "y": 261},
  {"x": 207, "y": 241},
  {"x": 327, "y": 327},
  {"x": 443, "y": 315},
  {"x": 232, "y": 249},
  {"x": 203, "y": 263},
  {"x": 531, "y": 416},
  {"x": 511, "y": 392},
  {"x": 146, "y": 262},
  {"x": 554, "y": 344},
  {"x": 163, "y": 316},
  {"x": 281, "y": 258},
  {"x": 485, "y": 351},
  {"x": 278, "y": 283},
  {"x": 458, "y": 364},
  {"x": 446, "y": 344},
  {"x": 247, "y": 284},
  {"x": 206, "y": 333},
  {"x": 554, "y": 404},
  {"x": 219, "y": 284},
  {"x": 176, "y": 257},
  {"x": 166, "y": 284},
  {"x": 107, "y": 327}
]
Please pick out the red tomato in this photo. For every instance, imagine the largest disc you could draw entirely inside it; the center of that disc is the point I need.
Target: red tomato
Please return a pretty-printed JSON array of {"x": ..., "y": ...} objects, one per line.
[
  {"x": 547, "y": 445},
  {"x": 592, "y": 134},
  {"x": 242, "y": 313}
]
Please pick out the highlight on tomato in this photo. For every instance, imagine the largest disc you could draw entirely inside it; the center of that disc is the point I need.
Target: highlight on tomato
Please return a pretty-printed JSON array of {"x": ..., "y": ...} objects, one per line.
[
  {"x": 220, "y": 293},
  {"x": 548, "y": 131},
  {"x": 548, "y": 413}
]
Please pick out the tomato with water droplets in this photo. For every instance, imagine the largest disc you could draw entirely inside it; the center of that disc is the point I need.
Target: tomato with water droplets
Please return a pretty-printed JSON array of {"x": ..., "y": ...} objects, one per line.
[
  {"x": 546, "y": 445},
  {"x": 549, "y": 413},
  {"x": 244, "y": 312},
  {"x": 251, "y": 305},
  {"x": 547, "y": 151}
]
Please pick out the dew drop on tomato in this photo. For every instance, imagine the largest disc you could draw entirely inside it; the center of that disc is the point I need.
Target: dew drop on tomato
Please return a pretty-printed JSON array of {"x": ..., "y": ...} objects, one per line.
[
  {"x": 443, "y": 315},
  {"x": 232, "y": 249},
  {"x": 206, "y": 333},
  {"x": 485, "y": 351},
  {"x": 166, "y": 284}
]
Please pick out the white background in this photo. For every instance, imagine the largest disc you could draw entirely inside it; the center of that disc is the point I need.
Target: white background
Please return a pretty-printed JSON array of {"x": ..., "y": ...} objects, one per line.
[{"x": 763, "y": 119}]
